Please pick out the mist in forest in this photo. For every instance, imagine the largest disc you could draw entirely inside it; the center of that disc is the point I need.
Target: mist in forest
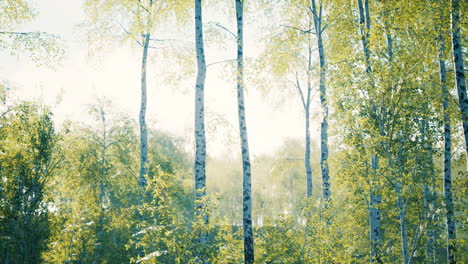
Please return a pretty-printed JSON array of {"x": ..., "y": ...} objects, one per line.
[{"x": 289, "y": 131}]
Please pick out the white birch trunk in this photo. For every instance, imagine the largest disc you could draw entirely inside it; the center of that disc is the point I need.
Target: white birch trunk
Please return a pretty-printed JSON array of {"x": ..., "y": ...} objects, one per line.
[
  {"x": 431, "y": 243},
  {"x": 326, "y": 193},
  {"x": 142, "y": 118},
  {"x": 447, "y": 159},
  {"x": 459, "y": 68},
  {"x": 374, "y": 217},
  {"x": 247, "y": 197},
  {"x": 429, "y": 196},
  {"x": 200, "y": 139},
  {"x": 402, "y": 218},
  {"x": 308, "y": 167},
  {"x": 306, "y": 104},
  {"x": 402, "y": 209},
  {"x": 375, "y": 200},
  {"x": 364, "y": 23}
]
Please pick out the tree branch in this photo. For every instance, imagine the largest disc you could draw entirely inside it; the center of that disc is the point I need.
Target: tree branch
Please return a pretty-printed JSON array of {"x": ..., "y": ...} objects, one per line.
[
  {"x": 323, "y": 29},
  {"x": 301, "y": 94},
  {"x": 130, "y": 34},
  {"x": 220, "y": 62},
  {"x": 9, "y": 109},
  {"x": 161, "y": 40},
  {"x": 222, "y": 27},
  {"x": 17, "y": 33},
  {"x": 144, "y": 8},
  {"x": 299, "y": 29},
  {"x": 23, "y": 33}
]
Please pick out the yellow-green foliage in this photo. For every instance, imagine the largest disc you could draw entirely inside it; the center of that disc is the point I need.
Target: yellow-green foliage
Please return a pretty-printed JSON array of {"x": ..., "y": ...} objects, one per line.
[
  {"x": 15, "y": 12},
  {"x": 41, "y": 47},
  {"x": 129, "y": 19},
  {"x": 27, "y": 162}
]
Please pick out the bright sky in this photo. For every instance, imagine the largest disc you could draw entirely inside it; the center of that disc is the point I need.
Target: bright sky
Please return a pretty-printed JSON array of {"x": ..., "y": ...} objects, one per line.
[{"x": 115, "y": 75}]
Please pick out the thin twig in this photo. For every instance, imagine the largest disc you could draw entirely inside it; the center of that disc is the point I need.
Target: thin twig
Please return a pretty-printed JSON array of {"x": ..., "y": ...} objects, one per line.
[
  {"x": 299, "y": 29},
  {"x": 220, "y": 62},
  {"x": 323, "y": 29},
  {"x": 459, "y": 146},
  {"x": 20, "y": 33}
]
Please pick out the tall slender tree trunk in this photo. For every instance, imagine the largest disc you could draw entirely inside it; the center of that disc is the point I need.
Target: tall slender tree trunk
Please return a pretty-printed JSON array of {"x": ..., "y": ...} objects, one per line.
[
  {"x": 306, "y": 104},
  {"x": 375, "y": 199},
  {"x": 308, "y": 168},
  {"x": 429, "y": 194},
  {"x": 431, "y": 234},
  {"x": 375, "y": 232},
  {"x": 399, "y": 185},
  {"x": 200, "y": 139},
  {"x": 448, "y": 191},
  {"x": 459, "y": 68},
  {"x": 447, "y": 158},
  {"x": 326, "y": 193},
  {"x": 402, "y": 218},
  {"x": 247, "y": 197},
  {"x": 293, "y": 196},
  {"x": 364, "y": 24},
  {"x": 402, "y": 209},
  {"x": 142, "y": 118}
]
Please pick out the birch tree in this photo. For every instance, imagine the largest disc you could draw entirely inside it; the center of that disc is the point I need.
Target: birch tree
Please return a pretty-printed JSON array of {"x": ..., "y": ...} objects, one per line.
[
  {"x": 374, "y": 199},
  {"x": 448, "y": 197},
  {"x": 447, "y": 156},
  {"x": 319, "y": 27},
  {"x": 305, "y": 94},
  {"x": 441, "y": 32},
  {"x": 459, "y": 65},
  {"x": 289, "y": 54},
  {"x": 390, "y": 110},
  {"x": 382, "y": 122},
  {"x": 138, "y": 21},
  {"x": 246, "y": 167},
  {"x": 200, "y": 139},
  {"x": 430, "y": 194}
]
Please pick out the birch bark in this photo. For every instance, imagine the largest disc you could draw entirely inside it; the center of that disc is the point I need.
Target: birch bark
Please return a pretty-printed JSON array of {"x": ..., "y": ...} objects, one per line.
[
  {"x": 429, "y": 195},
  {"x": 459, "y": 68},
  {"x": 142, "y": 118},
  {"x": 449, "y": 213},
  {"x": 247, "y": 198},
  {"x": 375, "y": 200},
  {"x": 200, "y": 139},
  {"x": 402, "y": 209},
  {"x": 307, "y": 152},
  {"x": 326, "y": 193},
  {"x": 374, "y": 217},
  {"x": 305, "y": 99}
]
